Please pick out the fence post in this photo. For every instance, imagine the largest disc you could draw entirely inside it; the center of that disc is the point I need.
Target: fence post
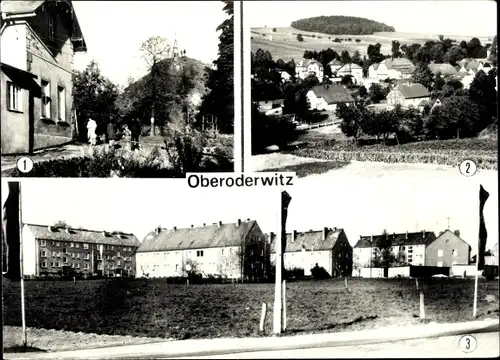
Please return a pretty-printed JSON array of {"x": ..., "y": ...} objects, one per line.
[
  {"x": 284, "y": 306},
  {"x": 345, "y": 282},
  {"x": 263, "y": 317},
  {"x": 422, "y": 305},
  {"x": 416, "y": 282}
]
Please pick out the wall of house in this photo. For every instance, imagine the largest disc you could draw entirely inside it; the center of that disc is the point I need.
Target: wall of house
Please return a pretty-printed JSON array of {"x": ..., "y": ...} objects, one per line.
[
  {"x": 30, "y": 253},
  {"x": 14, "y": 124},
  {"x": 13, "y": 45},
  {"x": 402, "y": 271},
  {"x": 461, "y": 270},
  {"x": 454, "y": 251},
  {"x": 55, "y": 68},
  {"x": 316, "y": 69},
  {"x": 306, "y": 260},
  {"x": 372, "y": 272},
  {"x": 362, "y": 257}
]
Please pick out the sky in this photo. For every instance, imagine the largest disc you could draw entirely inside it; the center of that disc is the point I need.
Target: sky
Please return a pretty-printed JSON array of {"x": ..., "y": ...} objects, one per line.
[
  {"x": 139, "y": 206},
  {"x": 375, "y": 197},
  {"x": 478, "y": 18},
  {"x": 115, "y": 30}
]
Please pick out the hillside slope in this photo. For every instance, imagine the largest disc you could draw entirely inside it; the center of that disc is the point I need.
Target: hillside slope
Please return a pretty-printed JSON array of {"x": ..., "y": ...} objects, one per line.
[{"x": 341, "y": 25}]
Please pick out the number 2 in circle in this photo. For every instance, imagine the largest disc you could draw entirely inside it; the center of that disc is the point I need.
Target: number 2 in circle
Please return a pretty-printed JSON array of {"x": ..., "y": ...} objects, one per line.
[{"x": 468, "y": 168}]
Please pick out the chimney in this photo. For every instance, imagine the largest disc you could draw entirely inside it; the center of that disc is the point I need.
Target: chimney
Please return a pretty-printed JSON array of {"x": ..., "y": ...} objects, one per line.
[
  {"x": 325, "y": 230},
  {"x": 192, "y": 226},
  {"x": 386, "y": 235},
  {"x": 238, "y": 223},
  {"x": 248, "y": 219},
  {"x": 423, "y": 234},
  {"x": 393, "y": 235},
  {"x": 406, "y": 236},
  {"x": 271, "y": 235},
  {"x": 174, "y": 228},
  {"x": 371, "y": 237},
  {"x": 220, "y": 223},
  {"x": 104, "y": 233},
  {"x": 157, "y": 230},
  {"x": 334, "y": 228},
  {"x": 294, "y": 235},
  {"x": 204, "y": 224},
  {"x": 457, "y": 233}
]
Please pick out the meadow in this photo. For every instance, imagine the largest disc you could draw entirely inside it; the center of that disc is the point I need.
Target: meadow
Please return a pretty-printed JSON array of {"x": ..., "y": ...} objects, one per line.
[{"x": 158, "y": 309}]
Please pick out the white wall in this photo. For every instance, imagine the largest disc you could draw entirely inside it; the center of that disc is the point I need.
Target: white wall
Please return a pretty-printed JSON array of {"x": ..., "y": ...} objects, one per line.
[
  {"x": 459, "y": 270},
  {"x": 373, "y": 272},
  {"x": 13, "y": 46},
  {"x": 403, "y": 271},
  {"x": 30, "y": 253},
  {"x": 361, "y": 256}
]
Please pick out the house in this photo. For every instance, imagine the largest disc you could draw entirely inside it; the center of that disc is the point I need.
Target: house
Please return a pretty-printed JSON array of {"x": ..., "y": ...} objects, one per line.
[
  {"x": 38, "y": 42},
  {"x": 397, "y": 68},
  {"x": 46, "y": 249},
  {"x": 327, "y": 248},
  {"x": 408, "y": 95},
  {"x": 354, "y": 70},
  {"x": 408, "y": 247},
  {"x": 470, "y": 66},
  {"x": 236, "y": 251},
  {"x": 443, "y": 69},
  {"x": 335, "y": 65},
  {"x": 326, "y": 97},
  {"x": 467, "y": 80},
  {"x": 307, "y": 67},
  {"x": 266, "y": 106},
  {"x": 447, "y": 249},
  {"x": 285, "y": 76}
]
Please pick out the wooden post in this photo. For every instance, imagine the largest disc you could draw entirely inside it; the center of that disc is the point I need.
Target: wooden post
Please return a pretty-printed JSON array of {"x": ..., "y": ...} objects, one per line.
[
  {"x": 422, "y": 304},
  {"x": 283, "y": 320},
  {"x": 416, "y": 282},
  {"x": 21, "y": 260},
  {"x": 263, "y": 317},
  {"x": 345, "y": 282},
  {"x": 187, "y": 282},
  {"x": 474, "y": 308}
]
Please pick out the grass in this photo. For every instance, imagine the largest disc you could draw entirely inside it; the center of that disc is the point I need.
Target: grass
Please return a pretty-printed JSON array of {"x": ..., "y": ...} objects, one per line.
[
  {"x": 125, "y": 307},
  {"x": 311, "y": 168}
]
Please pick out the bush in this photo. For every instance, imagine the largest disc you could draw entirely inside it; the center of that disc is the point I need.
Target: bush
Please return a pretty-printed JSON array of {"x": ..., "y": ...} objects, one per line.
[
  {"x": 185, "y": 150},
  {"x": 300, "y": 37},
  {"x": 294, "y": 273},
  {"x": 319, "y": 273},
  {"x": 271, "y": 130},
  {"x": 358, "y": 40},
  {"x": 274, "y": 30}
]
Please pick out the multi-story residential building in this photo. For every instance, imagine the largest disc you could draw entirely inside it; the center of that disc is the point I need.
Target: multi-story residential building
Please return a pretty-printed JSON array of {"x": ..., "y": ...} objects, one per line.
[
  {"x": 309, "y": 67},
  {"x": 409, "y": 248},
  {"x": 38, "y": 42},
  {"x": 327, "y": 248},
  {"x": 46, "y": 249},
  {"x": 233, "y": 251},
  {"x": 447, "y": 250}
]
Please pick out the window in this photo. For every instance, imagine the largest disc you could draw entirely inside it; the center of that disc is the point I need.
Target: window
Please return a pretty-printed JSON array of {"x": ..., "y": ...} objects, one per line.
[
  {"x": 440, "y": 253},
  {"x": 112, "y": 247},
  {"x": 51, "y": 23},
  {"x": 77, "y": 255},
  {"x": 58, "y": 243},
  {"x": 43, "y": 243},
  {"x": 58, "y": 254},
  {"x": 14, "y": 97},
  {"x": 58, "y": 264},
  {"x": 447, "y": 241},
  {"x": 85, "y": 246},
  {"x": 118, "y": 262},
  {"x": 77, "y": 265},
  {"x": 340, "y": 255},
  {"x": 64, "y": 250},
  {"x": 261, "y": 252},
  {"x": 53, "y": 253},
  {"x": 99, "y": 266},
  {"x": 65, "y": 260},
  {"x": 454, "y": 252},
  {"x": 61, "y": 103},
  {"x": 45, "y": 99},
  {"x": 44, "y": 264},
  {"x": 77, "y": 245},
  {"x": 199, "y": 253},
  {"x": 440, "y": 264},
  {"x": 86, "y": 256},
  {"x": 44, "y": 253},
  {"x": 176, "y": 267},
  {"x": 72, "y": 245},
  {"x": 347, "y": 255},
  {"x": 86, "y": 266},
  {"x": 53, "y": 264},
  {"x": 117, "y": 254}
]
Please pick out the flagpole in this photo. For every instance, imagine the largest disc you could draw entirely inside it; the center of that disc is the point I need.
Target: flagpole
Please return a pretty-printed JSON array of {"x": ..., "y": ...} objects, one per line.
[{"x": 21, "y": 261}]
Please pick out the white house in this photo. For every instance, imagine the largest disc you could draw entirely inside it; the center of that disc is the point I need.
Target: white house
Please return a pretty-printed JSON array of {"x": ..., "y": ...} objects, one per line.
[
  {"x": 307, "y": 67},
  {"x": 443, "y": 69},
  {"x": 354, "y": 70},
  {"x": 408, "y": 95},
  {"x": 335, "y": 65},
  {"x": 326, "y": 97},
  {"x": 327, "y": 248},
  {"x": 237, "y": 250},
  {"x": 410, "y": 247},
  {"x": 398, "y": 68},
  {"x": 285, "y": 76}
]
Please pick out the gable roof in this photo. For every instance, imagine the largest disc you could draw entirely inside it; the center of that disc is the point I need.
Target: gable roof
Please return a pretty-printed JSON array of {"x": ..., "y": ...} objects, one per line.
[
  {"x": 471, "y": 64},
  {"x": 311, "y": 240},
  {"x": 448, "y": 232},
  {"x": 402, "y": 239},
  {"x": 398, "y": 63},
  {"x": 307, "y": 62},
  {"x": 350, "y": 67},
  {"x": 375, "y": 66},
  {"x": 332, "y": 94},
  {"x": 413, "y": 91},
  {"x": 444, "y": 69},
  {"x": 210, "y": 236},
  {"x": 335, "y": 62},
  {"x": 83, "y": 235},
  {"x": 26, "y": 7}
]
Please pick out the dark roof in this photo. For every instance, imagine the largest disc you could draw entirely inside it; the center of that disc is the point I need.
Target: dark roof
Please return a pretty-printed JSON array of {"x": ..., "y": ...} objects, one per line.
[
  {"x": 413, "y": 91},
  {"x": 333, "y": 94},
  {"x": 443, "y": 69},
  {"x": 414, "y": 238},
  {"x": 210, "y": 236},
  {"x": 24, "y": 79},
  {"x": 83, "y": 235},
  {"x": 311, "y": 240}
]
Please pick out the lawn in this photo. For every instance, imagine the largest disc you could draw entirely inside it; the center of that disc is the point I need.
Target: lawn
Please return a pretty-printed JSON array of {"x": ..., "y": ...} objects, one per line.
[{"x": 126, "y": 307}]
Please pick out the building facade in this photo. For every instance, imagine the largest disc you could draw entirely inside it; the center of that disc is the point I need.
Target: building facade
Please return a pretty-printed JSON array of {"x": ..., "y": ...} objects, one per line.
[
  {"x": 308, "y": 67},
  {"x": 448, "y": 250},
  {"x": 46, "y": 249},
  {"x": 38, "y": 42},
  {"x": 328, "y": 248},
  {"x": 354, "y": 70},
  {"x": 327, "y": 97},
  {"x": 408, "y": 95},
  {"x": 233, "y": 251},
  {"x": 398, "y": 68}
]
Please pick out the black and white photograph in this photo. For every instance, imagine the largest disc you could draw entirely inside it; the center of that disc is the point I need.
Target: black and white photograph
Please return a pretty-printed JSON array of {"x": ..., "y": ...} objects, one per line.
[{"x": 116, "y": 88}]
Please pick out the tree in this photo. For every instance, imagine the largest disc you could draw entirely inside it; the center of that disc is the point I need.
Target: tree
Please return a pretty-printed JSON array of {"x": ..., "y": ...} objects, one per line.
[
  {"x": 220, "y": 100},
  {"x": 347, "y": 80},
  {"x": 475, "y": 49},
  {"x": 300, "y": 38},
  {"x": 401, "y": 258},
  {"x": 454, "y": 55},
  {"x": 345, "y": 58},
  {"x": 388, "y": 258},
  {"x": 274, "y": 30},
  {"x": 439, "y": 82},
  {"x": 377, "y": 92},
  {"x": 441, "y": 37},
  {"x": 423, "y": 75},
  {"x": 94, "y": 97},
  {"x": 362, "y": 92},
  {"x": 493, "y": 50},
  {"x": 483, "y": 93},
  {"x": 436, "y": 53},
  {"x": 353, "y": 117},
  {"x": 396, "y": 53},
  {"x": 374, "y": 54},
  {"x": 61, "y": 224},
  {"x": 356, "y": 58}
]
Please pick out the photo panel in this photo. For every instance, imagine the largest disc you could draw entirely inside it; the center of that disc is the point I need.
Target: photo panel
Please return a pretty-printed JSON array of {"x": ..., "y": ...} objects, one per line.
[{"x": 150, "y": 100}]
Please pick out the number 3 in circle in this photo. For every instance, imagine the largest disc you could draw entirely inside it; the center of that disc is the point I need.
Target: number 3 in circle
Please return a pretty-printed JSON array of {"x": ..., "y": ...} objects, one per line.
[{"x": 468, "y": 343}]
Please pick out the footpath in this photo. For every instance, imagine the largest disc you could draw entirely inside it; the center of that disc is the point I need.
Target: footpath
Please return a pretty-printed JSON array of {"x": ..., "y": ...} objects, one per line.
[{"x": 214, "y": 347}]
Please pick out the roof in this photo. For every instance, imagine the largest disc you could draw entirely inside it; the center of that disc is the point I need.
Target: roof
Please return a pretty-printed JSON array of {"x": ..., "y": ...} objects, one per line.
[
  {"x": 375, "y": 66},
  {"x": 424, "y": 102},
  {"x": 307, "y": 62},
  {"x": 210, "y": 236},
  {"x": 335, "y": 62},
  {"x": 24, "y": 79},
  {"x": 444, "y": 69},
  {"x": 311, "y": 240},
  {"x": 10, "y": 7},
  {"x": 397, "y": 63},
  {"x": 350, "y": 67},
  {"x": 471, "y": 64},
  {"x": 83, "y": 235},
  {"x": 449, "y": 232},
  {"x": 413, "y": 91},
  {"x": 403, "y": 239},
  {"x": 332, "y": 94}
]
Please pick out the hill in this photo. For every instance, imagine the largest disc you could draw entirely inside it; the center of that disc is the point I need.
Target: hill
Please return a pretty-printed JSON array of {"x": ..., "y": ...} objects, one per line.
[{"x": 341, "y": 25}]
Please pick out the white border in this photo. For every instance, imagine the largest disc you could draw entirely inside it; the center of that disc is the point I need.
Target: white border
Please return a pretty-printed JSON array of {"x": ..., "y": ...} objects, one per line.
[{"x": 238, "y": 121}]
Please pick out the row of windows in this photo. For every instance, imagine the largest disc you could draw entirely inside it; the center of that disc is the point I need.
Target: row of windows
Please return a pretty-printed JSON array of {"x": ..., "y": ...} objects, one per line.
[
  {"x": 86, "y": 245},
  {"x": 85, "y": 256},
  {"x": 454, "y": 252},
  {"x": 201, "y": 253},
  {"x": 86, "y": 266}
]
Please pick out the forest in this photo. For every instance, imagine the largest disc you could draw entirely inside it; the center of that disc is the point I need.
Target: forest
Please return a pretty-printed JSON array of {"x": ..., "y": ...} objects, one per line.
[{"x": 341, "y": 25}]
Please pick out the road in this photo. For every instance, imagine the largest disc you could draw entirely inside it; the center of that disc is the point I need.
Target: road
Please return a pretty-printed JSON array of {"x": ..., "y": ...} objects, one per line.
[{"x": 443, "y": 347}]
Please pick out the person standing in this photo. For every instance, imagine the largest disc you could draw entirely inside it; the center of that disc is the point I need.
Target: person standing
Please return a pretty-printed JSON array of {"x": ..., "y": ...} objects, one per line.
[
  {"x": 110, "y": 130},
  {"x": 135, "y": 129},
  {"x": 91, "y": 128}
]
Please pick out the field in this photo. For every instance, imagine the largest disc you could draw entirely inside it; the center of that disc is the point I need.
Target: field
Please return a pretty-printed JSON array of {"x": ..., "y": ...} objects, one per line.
[
  {"x": 284, "y": 44},
  {"x": 121, "y": 307}
]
